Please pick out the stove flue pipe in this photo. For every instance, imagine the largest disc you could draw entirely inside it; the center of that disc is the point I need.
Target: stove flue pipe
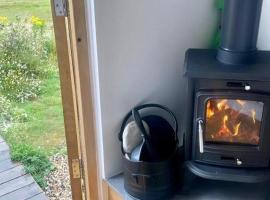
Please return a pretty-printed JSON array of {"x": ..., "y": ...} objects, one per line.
[{"x": 239, "y": 31}]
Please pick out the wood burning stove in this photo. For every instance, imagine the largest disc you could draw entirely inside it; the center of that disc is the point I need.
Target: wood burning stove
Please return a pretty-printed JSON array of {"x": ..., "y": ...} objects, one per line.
[{"x": 227, "y": 132}]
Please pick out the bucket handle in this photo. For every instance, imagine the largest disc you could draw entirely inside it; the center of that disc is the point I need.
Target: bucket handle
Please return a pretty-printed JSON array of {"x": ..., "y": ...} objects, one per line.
[{"x": 138, "y": 108}]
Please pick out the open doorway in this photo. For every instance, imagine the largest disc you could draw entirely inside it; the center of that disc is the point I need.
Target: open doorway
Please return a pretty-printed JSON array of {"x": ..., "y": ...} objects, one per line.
[{"x": 31, "y": 118}]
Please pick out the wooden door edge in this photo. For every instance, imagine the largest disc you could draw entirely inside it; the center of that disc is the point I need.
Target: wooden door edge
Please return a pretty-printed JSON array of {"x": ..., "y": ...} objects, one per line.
[{"x": 68, "y": 97}]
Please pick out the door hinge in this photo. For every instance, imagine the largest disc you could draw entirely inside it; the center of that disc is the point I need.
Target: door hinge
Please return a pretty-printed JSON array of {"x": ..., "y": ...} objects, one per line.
[
  {"x": 78, "y": 173},
  {"x": 61, "y": 8},
  {"x": 76, "y": 168}
]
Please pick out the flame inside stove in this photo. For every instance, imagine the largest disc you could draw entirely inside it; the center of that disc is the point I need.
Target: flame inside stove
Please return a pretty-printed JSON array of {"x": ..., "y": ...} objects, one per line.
[
  {"x": 233, "y": 121},
  {"x": 236, "y": 130},
  {"x": 253, "y": 116},
  {"x": 222, "y": 105},
  {"x": 209, "y": 112},
  {"x": 224, "y": 130}
]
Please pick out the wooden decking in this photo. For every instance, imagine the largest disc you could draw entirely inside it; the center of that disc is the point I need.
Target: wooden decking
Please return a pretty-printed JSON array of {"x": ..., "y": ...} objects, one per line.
[{"x": 15, "y": 183}]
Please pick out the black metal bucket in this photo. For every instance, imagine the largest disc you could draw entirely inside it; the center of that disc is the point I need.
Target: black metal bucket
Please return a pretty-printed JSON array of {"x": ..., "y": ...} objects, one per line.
[
  {"x": 151, "y": 180},
  {"x": 154, "y": 179}
]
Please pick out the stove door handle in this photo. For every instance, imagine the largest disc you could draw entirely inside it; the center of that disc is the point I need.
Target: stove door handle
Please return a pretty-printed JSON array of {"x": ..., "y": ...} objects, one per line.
[{"x": 200, "y": 131}]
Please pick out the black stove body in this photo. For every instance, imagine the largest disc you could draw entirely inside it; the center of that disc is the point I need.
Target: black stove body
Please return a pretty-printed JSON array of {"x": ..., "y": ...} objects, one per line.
[{"x": 227, "y": 132}]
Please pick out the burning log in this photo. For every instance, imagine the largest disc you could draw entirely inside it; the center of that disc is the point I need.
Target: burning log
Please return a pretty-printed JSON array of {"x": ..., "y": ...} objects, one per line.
[{"x": 225, "y": 123}]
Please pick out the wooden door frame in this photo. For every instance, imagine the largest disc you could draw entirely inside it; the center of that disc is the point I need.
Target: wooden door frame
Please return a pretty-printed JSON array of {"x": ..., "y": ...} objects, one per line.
[
  {"x": 76, "y": 88},
  {"x": 75, "y": 70}
]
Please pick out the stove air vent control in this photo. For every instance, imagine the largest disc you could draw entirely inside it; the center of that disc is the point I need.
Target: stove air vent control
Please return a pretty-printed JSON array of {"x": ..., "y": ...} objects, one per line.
[
  {"x": 247, "y": 87},
  {"x": 239, "y": 162}
]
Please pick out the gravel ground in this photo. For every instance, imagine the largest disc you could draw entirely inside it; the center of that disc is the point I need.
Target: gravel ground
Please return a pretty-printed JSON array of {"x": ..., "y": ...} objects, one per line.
[{"x": 58, "y": 180}]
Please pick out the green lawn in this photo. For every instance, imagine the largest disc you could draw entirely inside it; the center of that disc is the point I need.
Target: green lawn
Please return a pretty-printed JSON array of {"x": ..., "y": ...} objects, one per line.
[
  {"x": 44, "y": 128},
  {"x": 25, "y": 8}
]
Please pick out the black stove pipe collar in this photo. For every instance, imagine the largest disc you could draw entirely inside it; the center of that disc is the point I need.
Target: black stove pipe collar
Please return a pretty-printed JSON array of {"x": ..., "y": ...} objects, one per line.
[{"x": 239, "y": 32}]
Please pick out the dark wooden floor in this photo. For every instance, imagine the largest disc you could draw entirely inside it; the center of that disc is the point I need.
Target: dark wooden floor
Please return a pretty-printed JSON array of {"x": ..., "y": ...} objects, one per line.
[{"x": 15, "y": 184}]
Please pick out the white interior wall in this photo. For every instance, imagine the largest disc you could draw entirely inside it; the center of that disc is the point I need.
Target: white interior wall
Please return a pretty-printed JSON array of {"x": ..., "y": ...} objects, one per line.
[
  {"x": 264, "y": 33},
  {"x": 140, "y": 48}
]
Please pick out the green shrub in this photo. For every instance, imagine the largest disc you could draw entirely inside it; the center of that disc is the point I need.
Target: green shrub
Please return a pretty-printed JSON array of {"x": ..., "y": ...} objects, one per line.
[
  {"x": 9, "y": 114},
  {"x": 25, "y": 50},
  {"x": 34, "y": 160},
  {"x": 17, "y": 84},
  {"x": 5, "y": 112}
]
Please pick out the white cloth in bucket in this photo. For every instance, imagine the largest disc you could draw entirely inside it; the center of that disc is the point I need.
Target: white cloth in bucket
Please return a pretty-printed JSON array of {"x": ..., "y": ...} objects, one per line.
[{"x": 132, "y": 136}]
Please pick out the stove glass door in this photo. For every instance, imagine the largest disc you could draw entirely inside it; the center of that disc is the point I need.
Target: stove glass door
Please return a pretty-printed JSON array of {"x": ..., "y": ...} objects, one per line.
[{"x": 233, "y": 121}]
